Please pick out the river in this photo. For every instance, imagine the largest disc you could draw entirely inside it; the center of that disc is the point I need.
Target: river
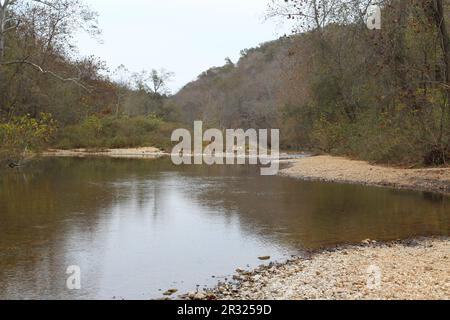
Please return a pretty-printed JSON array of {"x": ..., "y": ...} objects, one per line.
[{"x": 139, "y": 227}]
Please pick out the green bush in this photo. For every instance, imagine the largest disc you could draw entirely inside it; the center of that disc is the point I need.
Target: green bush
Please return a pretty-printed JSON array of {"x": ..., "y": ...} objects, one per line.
[
  {"x": 25, "y": 133},
  {"x": 111, "y": 132}
]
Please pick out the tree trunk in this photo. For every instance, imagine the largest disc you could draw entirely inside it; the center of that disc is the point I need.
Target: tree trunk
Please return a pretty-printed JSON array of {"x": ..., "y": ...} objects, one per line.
[
  {"x": 3, "y": 17},
  {"x": 445, "y": 45},
  {"x": 443, "y": 32}
]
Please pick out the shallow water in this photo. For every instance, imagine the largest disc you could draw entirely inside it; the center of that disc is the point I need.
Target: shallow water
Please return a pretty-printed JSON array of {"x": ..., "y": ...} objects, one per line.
[{"x": 136, "y": 227}]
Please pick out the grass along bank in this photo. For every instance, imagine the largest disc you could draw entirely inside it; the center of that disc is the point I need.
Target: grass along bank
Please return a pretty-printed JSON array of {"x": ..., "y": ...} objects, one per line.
[
  {"x": 116, "y": 133},
  {"x": 25, "y": 137}
]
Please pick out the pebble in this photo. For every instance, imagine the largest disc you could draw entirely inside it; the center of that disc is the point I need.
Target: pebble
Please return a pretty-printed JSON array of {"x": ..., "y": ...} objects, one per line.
[
  {"x": 170, "y": 292},
  {"x": 199, "y": 296},
  {"x": 264, "y": 258}
]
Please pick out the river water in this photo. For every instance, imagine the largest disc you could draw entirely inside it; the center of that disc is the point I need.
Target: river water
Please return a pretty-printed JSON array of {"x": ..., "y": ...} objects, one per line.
[{"x": 136, "y": 228}]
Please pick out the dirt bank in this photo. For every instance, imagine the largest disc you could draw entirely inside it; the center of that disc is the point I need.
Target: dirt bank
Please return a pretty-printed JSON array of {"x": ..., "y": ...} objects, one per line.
[
  {"x": 410, "y": 270},
  {"x": 336, "y": 169},
  {"x": 131, "y": 153}
]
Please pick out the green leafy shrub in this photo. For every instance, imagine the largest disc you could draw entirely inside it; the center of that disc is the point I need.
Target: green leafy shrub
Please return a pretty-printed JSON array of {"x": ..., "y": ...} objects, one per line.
[
  {"x": 25, "y": 133},
  {"x": 113, "y": 132}
]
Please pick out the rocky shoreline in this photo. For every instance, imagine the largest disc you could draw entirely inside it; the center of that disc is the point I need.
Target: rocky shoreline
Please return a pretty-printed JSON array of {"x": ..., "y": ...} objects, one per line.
[
  {"x": 342, "y": 170},
  {"x": 402, "y": 270}
]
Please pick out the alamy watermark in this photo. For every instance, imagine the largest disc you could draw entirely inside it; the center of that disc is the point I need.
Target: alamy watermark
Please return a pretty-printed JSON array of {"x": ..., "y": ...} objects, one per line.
[
  {"x": 73, "y": 282},
  {"x": 373, "y": 17},
  {"x": 374, "y": 276},
  {"x": 232, "y": 146}
]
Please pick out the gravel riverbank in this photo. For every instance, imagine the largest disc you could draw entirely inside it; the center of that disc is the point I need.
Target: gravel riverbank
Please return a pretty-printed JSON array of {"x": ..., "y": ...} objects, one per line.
[
  {"x": 342, "y": 170},
  {"x": 129, "y": 153},
  {"x": 408, "y": 270}
]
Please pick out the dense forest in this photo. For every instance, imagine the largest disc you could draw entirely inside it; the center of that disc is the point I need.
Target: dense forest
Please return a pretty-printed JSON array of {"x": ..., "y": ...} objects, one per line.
[
  {"x": 51, "y": 97},
  {"x": 337, "y": 87},
  {"x": 333, "y": 86}
]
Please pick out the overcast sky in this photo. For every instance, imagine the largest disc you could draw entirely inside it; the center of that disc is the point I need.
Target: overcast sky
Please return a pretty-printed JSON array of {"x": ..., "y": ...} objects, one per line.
[{"x": 182, "y": 36}]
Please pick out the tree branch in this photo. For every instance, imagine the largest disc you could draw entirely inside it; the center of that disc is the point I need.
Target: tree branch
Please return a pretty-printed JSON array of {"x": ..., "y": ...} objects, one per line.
[
  {"x": 46, "y": 3},
  {"x": 46, "y": 72}
]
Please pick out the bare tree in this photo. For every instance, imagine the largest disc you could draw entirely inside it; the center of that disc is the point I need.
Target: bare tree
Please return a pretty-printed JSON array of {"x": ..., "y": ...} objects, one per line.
[
  {"x": 317, "y": 14},
  {"x": 159, "y": 81},
  {"x": 122, "y": 79},
  {"x": 156, "y": 82},
  {"x": 53, "y": 22}
]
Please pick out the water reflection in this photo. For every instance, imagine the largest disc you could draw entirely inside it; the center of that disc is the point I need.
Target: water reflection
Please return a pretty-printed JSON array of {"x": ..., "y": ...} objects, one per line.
[{"x": 136, "y": 226}]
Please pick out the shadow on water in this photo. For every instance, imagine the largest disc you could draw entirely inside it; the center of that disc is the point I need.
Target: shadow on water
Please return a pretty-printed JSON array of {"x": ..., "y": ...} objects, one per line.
[{"x": 137, "y": 226}]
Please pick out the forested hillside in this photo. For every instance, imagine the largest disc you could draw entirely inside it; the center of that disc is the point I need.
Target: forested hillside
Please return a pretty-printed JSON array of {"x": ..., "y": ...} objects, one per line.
[
  {"x": 334, "y": 86},
  {"x": 241, "y": 95},
  {"x": 338, "y": 87},
  {"x": 50, "y": 96}
]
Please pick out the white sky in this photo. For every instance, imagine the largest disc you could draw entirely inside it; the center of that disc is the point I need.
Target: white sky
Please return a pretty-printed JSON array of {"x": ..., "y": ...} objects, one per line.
[{"x": 186, "y": 37}]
